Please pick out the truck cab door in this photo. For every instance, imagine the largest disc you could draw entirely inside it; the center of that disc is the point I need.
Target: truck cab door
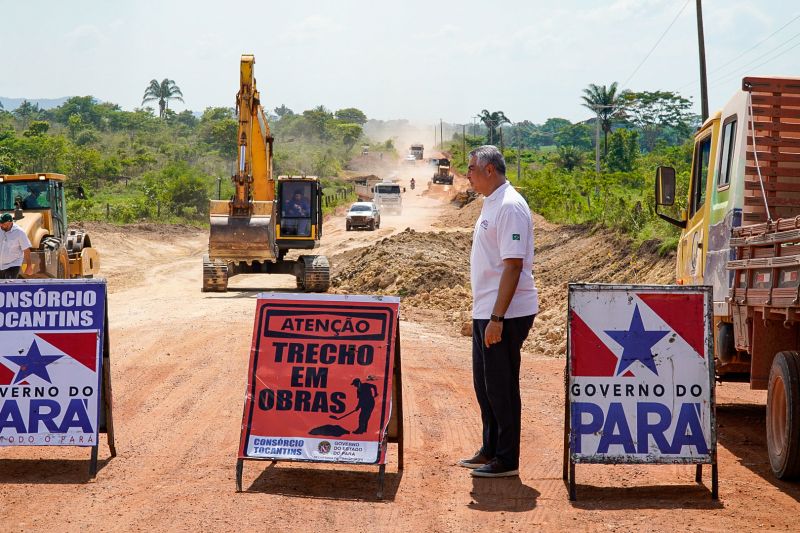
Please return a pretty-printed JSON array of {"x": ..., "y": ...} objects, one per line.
[{"x": 691, "y": 250}]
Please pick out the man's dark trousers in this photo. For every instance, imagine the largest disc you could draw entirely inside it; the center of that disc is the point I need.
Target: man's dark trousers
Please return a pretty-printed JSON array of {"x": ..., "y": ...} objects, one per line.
[
  {"x": 495, "y": 372},
  {"x": 10, "y": 273}
]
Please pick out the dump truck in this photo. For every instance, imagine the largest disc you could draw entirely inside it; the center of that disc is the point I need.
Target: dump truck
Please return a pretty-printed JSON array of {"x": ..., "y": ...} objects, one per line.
[
  {"x": 740, "y": 234},
  {"x": 416, "y": 150},
  {"x": 36, "y": 201},
  {"x": 266, "y": 217},
  {"x": 364, "y": 187},
  {"x": 443, "y": 174}
]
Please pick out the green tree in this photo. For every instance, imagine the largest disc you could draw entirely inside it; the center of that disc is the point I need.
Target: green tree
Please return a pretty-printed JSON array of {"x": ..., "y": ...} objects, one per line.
[
  {"x": 26, "y": 112},
  {"x": 84, "y": 107},
  {"x": 349, "y": 134},
  {"x": 218, "y": 129},
  {"x": 351, "y": 115},
  {"x": 318, "y": 120},
  {"x": 74, "y": 124},
  {"x": 178, "y": 186},
  {"x": 162, "y": 93},
  {"x": 623, "y": 150},
  {"x": 654, "y": 111},
  {"x": 283, "y": 111},
  {"x": 37, "y": 128},
  {"x": 8, "y": 163},
  {"x": 569, "y": 158},
  {"x": 493, "y": 121},
  {"x": 578, "y": 135},
  {"x": 606, "y": 104}
]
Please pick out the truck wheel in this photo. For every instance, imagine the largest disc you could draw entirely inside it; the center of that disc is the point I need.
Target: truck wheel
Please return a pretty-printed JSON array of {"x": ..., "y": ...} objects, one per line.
[
  {"x": 347, "y": 226},
  {"x": 783, "y": 415},
  {"x": 372, "y": 226}
]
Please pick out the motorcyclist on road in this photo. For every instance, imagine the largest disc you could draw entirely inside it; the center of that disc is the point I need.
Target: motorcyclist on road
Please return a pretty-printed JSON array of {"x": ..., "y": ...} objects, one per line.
[{"x": 412, "y": 184}]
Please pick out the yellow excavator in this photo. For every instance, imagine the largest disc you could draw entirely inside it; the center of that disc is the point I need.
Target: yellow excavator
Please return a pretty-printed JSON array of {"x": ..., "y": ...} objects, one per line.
[{"x": 265, "y": 218}]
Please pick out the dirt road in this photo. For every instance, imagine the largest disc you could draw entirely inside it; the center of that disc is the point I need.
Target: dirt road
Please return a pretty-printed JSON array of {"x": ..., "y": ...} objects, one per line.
[{"x": 179, "y": 361}]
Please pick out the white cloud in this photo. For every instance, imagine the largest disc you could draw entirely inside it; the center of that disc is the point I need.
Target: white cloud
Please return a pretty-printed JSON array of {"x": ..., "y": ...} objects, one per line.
[
  {"x": 312, "y": 29},
  {"x": 86, "y": 38}
]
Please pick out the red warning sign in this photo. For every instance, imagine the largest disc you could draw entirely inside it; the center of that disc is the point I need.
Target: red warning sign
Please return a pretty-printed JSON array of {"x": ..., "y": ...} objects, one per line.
[{"x": 320, "y": 378}]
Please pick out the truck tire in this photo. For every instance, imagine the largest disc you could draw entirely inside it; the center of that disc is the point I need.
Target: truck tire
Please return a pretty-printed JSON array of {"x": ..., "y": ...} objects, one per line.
[
  {"x": 783, "y": 415},
  {"x": 347, "y": 226},
  {"x": 372, "y": 225}
]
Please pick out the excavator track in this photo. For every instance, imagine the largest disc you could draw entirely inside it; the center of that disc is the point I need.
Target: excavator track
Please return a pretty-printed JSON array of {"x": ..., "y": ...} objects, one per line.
[
  {"x": 315, "y": 274},
  {"x": 215, "y": 275}
]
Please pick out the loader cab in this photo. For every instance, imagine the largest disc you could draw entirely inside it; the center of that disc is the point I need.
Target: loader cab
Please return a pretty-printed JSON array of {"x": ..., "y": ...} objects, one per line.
[
  {"x": 298, "y": 213},
  {"x": 35, "y": 193}
]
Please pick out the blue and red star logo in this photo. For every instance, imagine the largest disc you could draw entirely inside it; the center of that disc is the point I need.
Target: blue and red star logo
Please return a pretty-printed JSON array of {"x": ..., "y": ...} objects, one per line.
[
  {"x": 637, "y": 343},
  {"x": 32, "y": 364}
]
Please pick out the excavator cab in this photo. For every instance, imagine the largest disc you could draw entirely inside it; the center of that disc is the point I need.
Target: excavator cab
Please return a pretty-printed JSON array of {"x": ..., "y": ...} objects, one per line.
[{"x": 298, "y": 212}]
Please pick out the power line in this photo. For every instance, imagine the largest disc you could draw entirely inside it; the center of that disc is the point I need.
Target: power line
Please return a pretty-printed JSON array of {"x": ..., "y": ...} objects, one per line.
[
  {"x": 734, "y": 75},
  {"x": 762, "y": 56},
  {"x": 759, "y": 43},
  {"x": 655, "y": 45},
  {"x": 746, "y": 65}
]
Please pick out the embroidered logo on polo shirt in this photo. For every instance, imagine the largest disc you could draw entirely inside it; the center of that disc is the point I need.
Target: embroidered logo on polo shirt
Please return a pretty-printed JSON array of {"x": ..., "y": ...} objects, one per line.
[
  {"x": 485, "y": 224},
  {"x": 515, "y": 236}
]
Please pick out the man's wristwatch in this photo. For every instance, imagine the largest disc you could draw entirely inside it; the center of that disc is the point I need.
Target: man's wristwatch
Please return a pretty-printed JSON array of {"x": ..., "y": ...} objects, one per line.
[{"x": 496, "y": 318}]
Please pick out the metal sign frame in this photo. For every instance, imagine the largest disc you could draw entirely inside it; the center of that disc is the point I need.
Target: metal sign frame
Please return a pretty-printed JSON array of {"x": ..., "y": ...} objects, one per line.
[
  {"x": 571, "y": 457},
  {"x": 393, "y": 432},
  {"x": 105, "y": 422}
]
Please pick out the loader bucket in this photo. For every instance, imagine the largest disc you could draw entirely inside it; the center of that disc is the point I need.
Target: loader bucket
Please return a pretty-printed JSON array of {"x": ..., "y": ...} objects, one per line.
[{"x": 237, "y": 238}]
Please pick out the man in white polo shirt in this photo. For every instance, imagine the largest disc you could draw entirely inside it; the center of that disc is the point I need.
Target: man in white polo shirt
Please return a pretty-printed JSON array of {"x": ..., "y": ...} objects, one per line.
[
  {"x": 14, "y": 248},
  {"x": 505, "y": 303}
]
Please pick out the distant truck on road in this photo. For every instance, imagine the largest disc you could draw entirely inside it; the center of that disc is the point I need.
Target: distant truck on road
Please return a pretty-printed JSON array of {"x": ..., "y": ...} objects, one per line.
[
  {"x": 442, "y": 174},
  {"x": 387, "y": 195},
  {"x": 417, "y": 150}
]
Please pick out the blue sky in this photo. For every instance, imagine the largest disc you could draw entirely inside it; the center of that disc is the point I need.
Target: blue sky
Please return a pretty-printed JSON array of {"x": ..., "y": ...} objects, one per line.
[{"x": 412, "y": 59}]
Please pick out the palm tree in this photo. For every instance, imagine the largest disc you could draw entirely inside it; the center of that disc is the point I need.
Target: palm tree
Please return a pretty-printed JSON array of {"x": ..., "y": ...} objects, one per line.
[
  {"x": 569, "y": 157},
  {"x": 606, "y": 103},
  {"x": 163, "y": 92},
  {"x": 26, "y": 112},
  {"x": 493, "y": 121}
]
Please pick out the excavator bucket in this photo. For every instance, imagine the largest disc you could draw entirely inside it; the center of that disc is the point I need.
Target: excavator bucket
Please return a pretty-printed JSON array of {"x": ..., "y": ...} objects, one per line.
[{"x": 239, "y": 238}]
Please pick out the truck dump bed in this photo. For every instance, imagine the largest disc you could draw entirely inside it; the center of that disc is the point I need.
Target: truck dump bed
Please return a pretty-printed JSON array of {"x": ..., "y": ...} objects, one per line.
[{"x": 776, "y": 117}]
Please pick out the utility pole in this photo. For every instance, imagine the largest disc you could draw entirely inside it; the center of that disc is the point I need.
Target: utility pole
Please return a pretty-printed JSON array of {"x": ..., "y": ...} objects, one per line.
[
  {"x": 434, "y": 136},
  {"x": 597, "y": 142},
  {"x": 702, "y": 49},
  {"x": 464, "y": 142},
  {"x": 441, "y": 133},
  {"x": 519, "y": 154}
]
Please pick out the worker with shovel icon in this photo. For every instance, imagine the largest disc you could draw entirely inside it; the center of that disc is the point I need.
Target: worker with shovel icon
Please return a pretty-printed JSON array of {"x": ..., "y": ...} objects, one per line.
[{"x": 366, "y": 393}]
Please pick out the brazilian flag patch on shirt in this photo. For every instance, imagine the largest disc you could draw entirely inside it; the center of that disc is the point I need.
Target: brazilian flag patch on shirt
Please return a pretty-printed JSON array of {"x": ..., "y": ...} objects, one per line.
[{"x": 515, "y": 236}]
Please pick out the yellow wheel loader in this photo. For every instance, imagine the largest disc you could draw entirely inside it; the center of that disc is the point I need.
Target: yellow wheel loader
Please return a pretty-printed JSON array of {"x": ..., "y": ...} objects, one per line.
[
  {"x": 253, "y": 231},
  {"x": 36, "y": 202}
]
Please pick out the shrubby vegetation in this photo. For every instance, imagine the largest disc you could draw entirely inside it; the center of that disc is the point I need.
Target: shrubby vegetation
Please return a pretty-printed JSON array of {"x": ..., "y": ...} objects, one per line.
[
  {"x": 134, "y": 165},
  {"x": 557, "y": 161}
]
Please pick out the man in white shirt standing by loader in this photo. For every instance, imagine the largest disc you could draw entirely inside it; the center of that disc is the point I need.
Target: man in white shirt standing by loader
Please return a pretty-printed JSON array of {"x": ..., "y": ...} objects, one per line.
[
  {"x": 15, "y": 248},
  {"x": 505, "y": 303}
]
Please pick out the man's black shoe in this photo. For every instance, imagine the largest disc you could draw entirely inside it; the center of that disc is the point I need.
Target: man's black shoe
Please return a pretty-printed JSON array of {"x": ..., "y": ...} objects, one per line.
[
  {"x": 494, "y": 469},
  {"x": 476, "y": 461}
]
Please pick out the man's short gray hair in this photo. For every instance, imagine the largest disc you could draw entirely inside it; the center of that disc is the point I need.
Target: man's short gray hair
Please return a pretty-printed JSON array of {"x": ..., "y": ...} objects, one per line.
[{"x": 490, "y": 154}]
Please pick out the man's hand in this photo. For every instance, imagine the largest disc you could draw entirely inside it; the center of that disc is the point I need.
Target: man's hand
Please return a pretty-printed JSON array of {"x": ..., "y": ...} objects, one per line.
[
  {"x": 26, "y": 258},
  {"x": 493, "y": 333}
]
